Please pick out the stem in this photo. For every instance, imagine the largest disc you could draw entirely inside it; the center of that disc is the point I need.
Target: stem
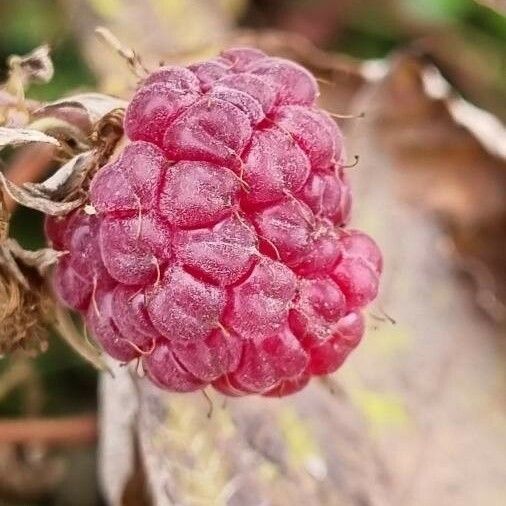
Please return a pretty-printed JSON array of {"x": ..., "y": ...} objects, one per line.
[{"x": 65, "y": 431}]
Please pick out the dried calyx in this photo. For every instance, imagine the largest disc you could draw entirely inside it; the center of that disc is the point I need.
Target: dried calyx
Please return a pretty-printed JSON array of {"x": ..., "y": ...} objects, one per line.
[
  {"x": 82, "y": 130},
  {"x": 25, "y": 304}
]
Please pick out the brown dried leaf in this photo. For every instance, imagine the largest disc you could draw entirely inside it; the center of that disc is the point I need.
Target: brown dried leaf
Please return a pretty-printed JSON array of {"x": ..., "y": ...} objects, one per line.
[
  {"x": 66, "y": 180},
  {"x": 451, "y": 161},
  {"x": 96, "y": 105},
  {"x": 35, "y": 66},
  {"x": 19, "y": 136},
  {"x": 66, "y": 328},
  {"x": 29, "y": 198},
  {"x": 10, "y": 267},
  {"x": 40, "y": 260},
  {"x": 24, "y": 301}
]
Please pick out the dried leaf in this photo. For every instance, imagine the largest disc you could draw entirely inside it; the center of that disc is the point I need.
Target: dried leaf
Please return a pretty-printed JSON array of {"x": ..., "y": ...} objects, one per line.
[
  {"x": 451, "y": 161},
  {"x": 66, "y": 180},
  {"x": 41, "y": 260},
  {"x": 66, "y": 328},
  {"x": 18, "y": 136},
  {"x": 36, "y": 66},
  {"x": 4, "y": 218},
  {"x": 117, "y": 444},
  {"x": 96, "y": 105},
  {"x": 29, "y": 198},
  {"x": 10, "y": 268},
  {"x": 24, "y": 301}
]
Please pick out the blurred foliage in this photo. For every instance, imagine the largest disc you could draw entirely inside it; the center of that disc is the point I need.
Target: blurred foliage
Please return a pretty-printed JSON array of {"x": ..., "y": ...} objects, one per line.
[
  {"x": 440, "y": 29},
  {"x": 370, "y": 29}
]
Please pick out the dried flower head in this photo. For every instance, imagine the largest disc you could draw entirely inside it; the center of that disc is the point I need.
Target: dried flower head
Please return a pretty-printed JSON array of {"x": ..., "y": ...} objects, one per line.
[{"x": 23, "y": 314}]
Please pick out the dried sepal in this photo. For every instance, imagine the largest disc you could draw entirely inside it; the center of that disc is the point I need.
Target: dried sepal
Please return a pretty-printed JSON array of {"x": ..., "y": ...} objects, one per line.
[
  {"x": 73, "y": 120},
  {"x": 10, "y": 267},
  {"x": 108, "y": 135},
  {"x": 72, "y": 139},
  {"x": 29, "y": 198},
  {"x": 35, "y": 66},
  {"x": 40, "y": 260},
  {"x": 4, "y": 218},
  {"x": 19, "y": 136},
  {"x": 66, "y": 181},
  {"x": 64, "y": 191},
  {"x": 25, "y": 304},
  {"x": 95, "y": 105},
  {"x": 60, "y": 193},
  {"x": 64, "y": 325},
  {"x": 22, "y": 315}
]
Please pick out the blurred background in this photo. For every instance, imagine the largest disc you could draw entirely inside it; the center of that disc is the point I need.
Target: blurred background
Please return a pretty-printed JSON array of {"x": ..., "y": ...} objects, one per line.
[{"x": 415, "y": 66}]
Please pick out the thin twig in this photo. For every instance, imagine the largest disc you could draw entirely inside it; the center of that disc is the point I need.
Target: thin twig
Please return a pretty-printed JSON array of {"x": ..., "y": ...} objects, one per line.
[{"x": 66, "y": 431}]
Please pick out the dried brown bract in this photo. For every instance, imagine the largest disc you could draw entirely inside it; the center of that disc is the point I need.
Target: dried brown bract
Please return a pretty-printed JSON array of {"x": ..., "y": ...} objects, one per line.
[
  {"x": 25, "y": 304},
  {"x": 23, "y": 313}
]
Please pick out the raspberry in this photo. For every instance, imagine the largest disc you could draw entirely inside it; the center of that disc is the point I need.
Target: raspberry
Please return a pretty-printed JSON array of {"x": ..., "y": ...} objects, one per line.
[
  {"x": 197, "y": 194},
  {"x": 327, "y": 196},
  {"x": 274, "y": 166},
  {"x": 184, "y": 308},
  {"x": 219, "y": 253}
]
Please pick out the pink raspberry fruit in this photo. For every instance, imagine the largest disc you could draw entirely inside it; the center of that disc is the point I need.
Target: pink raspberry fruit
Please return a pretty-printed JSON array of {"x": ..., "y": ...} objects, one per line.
[{"x": 219, "y": 252}]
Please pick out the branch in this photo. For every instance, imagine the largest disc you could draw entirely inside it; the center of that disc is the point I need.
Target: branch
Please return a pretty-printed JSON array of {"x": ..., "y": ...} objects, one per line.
[{"x": 66, "y": 431}]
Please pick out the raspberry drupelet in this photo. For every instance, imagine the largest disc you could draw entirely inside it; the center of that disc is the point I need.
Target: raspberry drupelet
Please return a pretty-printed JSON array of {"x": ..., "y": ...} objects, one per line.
[{"x": 219, "y": 252}]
